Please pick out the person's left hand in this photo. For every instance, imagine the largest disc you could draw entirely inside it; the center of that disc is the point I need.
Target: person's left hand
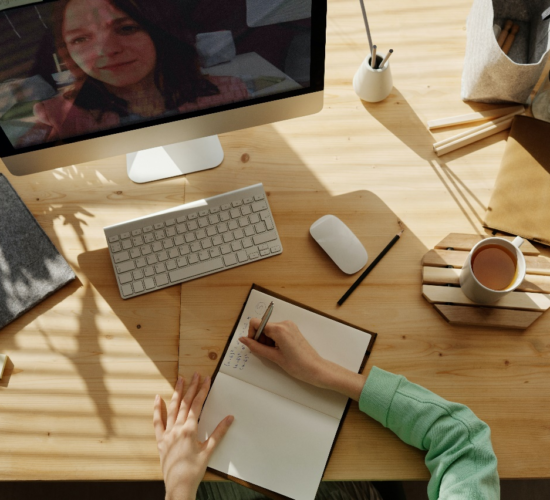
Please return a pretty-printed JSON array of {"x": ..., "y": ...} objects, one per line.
[{"x": 183, "y": 457}]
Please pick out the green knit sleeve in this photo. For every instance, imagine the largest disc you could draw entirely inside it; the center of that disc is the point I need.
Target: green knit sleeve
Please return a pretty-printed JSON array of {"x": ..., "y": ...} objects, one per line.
[{"x": 459, "y": 455}]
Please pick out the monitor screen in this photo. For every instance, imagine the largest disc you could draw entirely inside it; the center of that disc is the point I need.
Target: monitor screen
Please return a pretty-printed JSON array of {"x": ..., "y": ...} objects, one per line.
[{"x": 79, "y": 69}]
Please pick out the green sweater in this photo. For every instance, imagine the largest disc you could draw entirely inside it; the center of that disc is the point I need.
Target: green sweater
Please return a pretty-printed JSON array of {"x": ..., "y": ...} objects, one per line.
[{"x": 459, "y": 456}]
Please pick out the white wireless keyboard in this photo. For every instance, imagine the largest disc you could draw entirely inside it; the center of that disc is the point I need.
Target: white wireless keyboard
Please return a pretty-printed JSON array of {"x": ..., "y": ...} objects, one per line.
[{"x": 192, "y": 241}]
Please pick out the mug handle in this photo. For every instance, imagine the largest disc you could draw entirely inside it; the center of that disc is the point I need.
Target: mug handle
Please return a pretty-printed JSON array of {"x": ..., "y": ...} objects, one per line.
[{"x": 518, "y": 241}]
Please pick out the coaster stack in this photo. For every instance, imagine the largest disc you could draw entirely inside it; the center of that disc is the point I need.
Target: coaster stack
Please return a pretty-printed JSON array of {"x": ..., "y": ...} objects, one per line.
[{"x": 517, "y": 310}]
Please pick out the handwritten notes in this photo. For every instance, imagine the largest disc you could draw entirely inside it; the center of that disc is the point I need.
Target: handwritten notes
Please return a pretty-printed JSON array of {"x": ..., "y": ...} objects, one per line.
[
  {"x": 238, "y": 354},
  {"x": 7, "y": 4}
]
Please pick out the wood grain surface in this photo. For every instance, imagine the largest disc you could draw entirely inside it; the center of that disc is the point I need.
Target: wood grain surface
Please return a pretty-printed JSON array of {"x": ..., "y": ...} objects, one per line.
[{"x": 76, "y": 403}]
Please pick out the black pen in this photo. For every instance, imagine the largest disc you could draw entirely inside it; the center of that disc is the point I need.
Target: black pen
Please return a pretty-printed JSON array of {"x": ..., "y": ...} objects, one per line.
[
  {"x": 369, "y": 269},
  {"x": 265, "y": 319}
]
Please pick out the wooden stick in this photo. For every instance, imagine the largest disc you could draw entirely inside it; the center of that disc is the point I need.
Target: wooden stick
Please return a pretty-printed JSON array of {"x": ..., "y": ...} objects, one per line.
[
  {"x": 510, "y": 39},
  {"x": 479, "y": 128},
  {"x": 385, "y": 60},
  {"x": 472, "y": 117},
  {"x": 504, "y": 33},
  {"x": 373, "y": 57},
  {"x": 477, "y": 136}
]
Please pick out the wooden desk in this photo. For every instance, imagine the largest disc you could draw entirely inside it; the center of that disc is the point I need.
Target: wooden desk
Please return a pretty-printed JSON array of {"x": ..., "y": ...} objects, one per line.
[{"x": 77, "y": 403}]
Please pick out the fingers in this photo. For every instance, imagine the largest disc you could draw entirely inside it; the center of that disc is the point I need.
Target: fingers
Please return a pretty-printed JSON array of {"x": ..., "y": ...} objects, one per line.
[
  {"x": 188, "y": 399},
  {"x": 218, "y": 434},
  {"x": 255, "y": 347},
  {"x": 174, "y": 404},
  {"x": 196, "y": 406},
  {"x": 158, "y": 424},
  {"x": 253, "y": 326}
]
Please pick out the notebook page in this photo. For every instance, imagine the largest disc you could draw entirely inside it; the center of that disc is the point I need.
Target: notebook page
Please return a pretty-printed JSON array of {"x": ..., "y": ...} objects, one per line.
[
  {"x": 334, "y": 341},
  {"x": 273, "y": 442}
]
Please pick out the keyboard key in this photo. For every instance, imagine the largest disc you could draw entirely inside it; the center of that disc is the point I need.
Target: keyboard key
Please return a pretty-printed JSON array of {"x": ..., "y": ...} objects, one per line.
[
  {"x": 203, "y": 255},
  {"x": 146, "y": 250},
  {"x": 264, "y": 252},
  {"x": 243, "y": 221},
  {"x": 259, "y": 206},
  {"x": 121, "y": 257},
  {"x": 224, "y": 216},
  {"x": 237, "y": 203},
  {"x": 171, "y": 265},
  {"x": 181, "y": 218},
  {"x": 162, "y": 256},
  {"x": 263, "y": 246},
  {"x": 167, "y": 244},
  {"x": 254, "y": 218},
  {"x": 159, "y": 235},
  {"x": 230, "y": 259},
  {"x": 253, "y": 255},
  {"x": 196, "y": 246},
  {"x": 125, "y": 235},
  {"x": 148, "y": 238},
  {"x": 239, "y": 233},
  {"x": 200, "y": 234},
  {"x": 151, "y": 259},
  {"x": 232, "y": 225},
  {"x": 157, "y": 246},
  {"x": 137, "y": 274},
  {"x": 217, "y": 240},
  {"x": 193, "y": 258},
  {"x": 179, "y": 240},
  {"x": 236, "y": 245},
  {"x": 269, "y": 224},
  {"x": 248, "y": 200},
  {"x": 170, "y": 231},
  {"x": 215, "y": 252},
  {"x": 246, "y": 242},
  {"x": 149, "y": 283},
  {"x": 225, "y": 249},
  {"x": 159, "y": 268},
  {"x": 189, "y": 237},
  {"x": 222, "y": 228},
  {"x": 203, "y": 222},
  {"x": 147, "y": 229},
  {"x": 235, "y": 212},
  {"x": 141, "y": 262},
  {"x": 125, "y": 266},
  {"x": 184, "y": 249},
  {"x": 191, "y": 271},
  {"x": 245, "y": 210},
  {"x": 259, "y": 197},
  {"x": 249, "y": 230},
  {"x": 137, "y": 241},
  {"x": 158, "y": 225},
  {"x": 206, "y": 243},
  {"x": 170, "y": 222},
  {"x": 226, "y": 206},
  {"x": 125, "y": 278},
  {"x": 173, "y": 253},
  {"x": 264, "y": 237},
  {"x": 192, "y": 216},
  {"x": 149, "y": 271},
  {"x": 135, "y": 253},
  {"x": 265, "y": 214},
  {"x": 260, "y": 227},
  {"x": 203, "y": 213},
  {"x": 114, "y": 238},
  {"x": 127, "y": 290},
  {"x": 242, "y": 256},
  {"x": 181, "y": 228},
  {"x": 213, "y": 219},
  {"x": 138, "y": 286},
  {"x": 116, "y": 247},
  {"x": 182, "y": 261},
  {"x": 228, "y": 237},
  {"x": 126, "y": 244},
  {"x": 161, "y": 279},
  {"x": 211, "y": 230},
  {"x": 275, "y": 249},
  {"x": 214, "y": 210}
]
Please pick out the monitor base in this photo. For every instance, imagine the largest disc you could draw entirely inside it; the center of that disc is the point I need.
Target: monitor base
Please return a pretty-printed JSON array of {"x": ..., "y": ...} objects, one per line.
[{"x": 175, "y": 159}]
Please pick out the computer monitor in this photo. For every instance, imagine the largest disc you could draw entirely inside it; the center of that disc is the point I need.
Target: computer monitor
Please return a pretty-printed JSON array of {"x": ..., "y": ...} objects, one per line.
[{"x": 82, "y": 80}]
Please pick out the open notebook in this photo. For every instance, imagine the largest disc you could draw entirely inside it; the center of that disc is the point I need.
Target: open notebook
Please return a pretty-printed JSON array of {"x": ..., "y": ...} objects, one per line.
[{"x": 284, "y": 429}]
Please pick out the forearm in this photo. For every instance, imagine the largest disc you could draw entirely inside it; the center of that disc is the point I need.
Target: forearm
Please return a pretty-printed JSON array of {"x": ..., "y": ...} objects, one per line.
[{"x": 337, "y": 378}]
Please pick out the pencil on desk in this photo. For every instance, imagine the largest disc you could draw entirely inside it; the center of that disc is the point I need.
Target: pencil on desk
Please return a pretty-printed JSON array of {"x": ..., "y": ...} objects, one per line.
[{"x": 370, "y": 268}]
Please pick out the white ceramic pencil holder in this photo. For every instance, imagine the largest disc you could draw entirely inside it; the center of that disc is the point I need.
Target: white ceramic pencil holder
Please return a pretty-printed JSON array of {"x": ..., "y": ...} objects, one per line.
[{"x": 373, "y": 85}]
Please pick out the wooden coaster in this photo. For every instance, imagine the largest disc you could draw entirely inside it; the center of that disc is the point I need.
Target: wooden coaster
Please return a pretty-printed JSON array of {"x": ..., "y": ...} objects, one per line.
[{"x": 518, "y": 309}]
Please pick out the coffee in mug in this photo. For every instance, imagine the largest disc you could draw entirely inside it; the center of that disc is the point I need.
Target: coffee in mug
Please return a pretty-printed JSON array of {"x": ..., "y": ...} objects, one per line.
[{"x": 494, "y": 268}]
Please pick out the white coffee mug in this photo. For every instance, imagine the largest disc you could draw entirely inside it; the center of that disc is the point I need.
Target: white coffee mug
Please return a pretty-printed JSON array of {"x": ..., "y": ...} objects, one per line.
[{"x": 474, "y": 290}]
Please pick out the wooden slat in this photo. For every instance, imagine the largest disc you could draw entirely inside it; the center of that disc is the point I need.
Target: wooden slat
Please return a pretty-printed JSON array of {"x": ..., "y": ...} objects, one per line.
[
  {"x": 458, "y": 241},
  {"x": 514, "y": 300},
  {"x": 487, "y": 316},
  {"x": 489, "y": 114},
  {"x": 443, "y": 258},
  {"x": 443, "y": 276}
]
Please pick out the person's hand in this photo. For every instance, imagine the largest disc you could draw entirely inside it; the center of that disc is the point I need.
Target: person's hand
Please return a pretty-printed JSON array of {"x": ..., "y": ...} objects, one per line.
[
  {"x": 183, "y": 457},
  {"x": 291, "y": 351}
]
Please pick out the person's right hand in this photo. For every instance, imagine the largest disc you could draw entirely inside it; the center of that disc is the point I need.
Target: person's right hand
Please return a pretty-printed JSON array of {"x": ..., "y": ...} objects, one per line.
[{"x": 292, "y": 352}]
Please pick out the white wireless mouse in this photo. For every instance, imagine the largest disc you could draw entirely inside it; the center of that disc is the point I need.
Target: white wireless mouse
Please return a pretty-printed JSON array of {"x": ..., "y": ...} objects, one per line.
[{"x": 340, "y": 244}]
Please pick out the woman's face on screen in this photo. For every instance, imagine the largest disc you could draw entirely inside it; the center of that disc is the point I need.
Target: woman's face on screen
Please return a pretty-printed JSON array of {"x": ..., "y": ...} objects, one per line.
[{"x": 107, "y": 44}]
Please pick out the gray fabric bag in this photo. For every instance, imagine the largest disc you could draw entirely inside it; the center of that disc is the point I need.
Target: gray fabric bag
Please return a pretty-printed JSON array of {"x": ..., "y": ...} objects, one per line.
[{"x": 489, "y": 75}]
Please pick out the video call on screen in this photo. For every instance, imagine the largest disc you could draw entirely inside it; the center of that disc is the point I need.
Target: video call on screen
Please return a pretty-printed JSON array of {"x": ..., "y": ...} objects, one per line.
[{"x": 74, "y": 67}]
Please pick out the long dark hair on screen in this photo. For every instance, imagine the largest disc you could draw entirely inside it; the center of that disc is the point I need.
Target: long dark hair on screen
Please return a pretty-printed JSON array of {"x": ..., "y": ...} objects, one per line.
[{"x": 177, "y": 73}]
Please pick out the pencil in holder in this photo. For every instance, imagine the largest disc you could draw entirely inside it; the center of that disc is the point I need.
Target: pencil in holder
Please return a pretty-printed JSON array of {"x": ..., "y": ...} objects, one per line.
[{"x": 373, "y": 85}]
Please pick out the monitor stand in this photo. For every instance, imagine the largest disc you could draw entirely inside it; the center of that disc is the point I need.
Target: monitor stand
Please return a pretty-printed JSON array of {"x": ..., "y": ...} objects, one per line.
[{"x": 175, "y": 159}]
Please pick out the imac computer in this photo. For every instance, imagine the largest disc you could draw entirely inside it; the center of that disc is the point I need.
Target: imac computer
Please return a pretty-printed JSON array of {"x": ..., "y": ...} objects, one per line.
[{"x": 82, "y": 80}]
